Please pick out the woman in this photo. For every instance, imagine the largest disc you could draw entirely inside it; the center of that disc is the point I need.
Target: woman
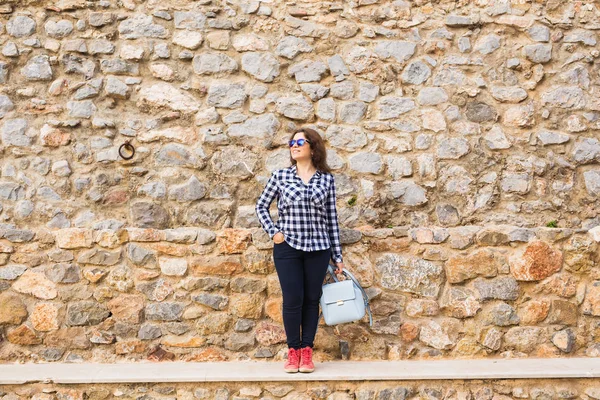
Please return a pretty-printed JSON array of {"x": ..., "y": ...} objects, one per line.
[{"x": 305, "y": 236}]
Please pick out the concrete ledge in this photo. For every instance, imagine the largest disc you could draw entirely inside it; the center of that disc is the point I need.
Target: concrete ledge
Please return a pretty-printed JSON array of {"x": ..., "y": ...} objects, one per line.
[{"x": 253, "y": 371}]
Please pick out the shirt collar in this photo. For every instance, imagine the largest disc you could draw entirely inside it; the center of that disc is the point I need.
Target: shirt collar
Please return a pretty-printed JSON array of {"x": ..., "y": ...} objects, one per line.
[{"x": 293, "y": 169}]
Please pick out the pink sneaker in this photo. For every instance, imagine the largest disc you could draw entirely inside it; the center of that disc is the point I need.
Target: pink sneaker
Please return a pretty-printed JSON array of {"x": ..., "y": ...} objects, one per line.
[
  {"x": 306, "y": 363},
  {"x": 293, "y": 360}
]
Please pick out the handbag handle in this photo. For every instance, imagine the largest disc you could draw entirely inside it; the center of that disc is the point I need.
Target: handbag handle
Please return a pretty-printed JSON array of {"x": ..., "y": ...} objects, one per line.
[{"x": 331, "y": 271}]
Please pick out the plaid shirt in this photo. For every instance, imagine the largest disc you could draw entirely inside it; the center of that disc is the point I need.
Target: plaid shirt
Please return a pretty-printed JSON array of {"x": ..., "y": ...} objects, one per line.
[{"x": 307, "y": 212}]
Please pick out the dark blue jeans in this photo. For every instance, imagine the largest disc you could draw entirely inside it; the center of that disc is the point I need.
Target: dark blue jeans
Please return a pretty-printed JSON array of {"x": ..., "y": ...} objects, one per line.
[{"x": 301, "y": 275}]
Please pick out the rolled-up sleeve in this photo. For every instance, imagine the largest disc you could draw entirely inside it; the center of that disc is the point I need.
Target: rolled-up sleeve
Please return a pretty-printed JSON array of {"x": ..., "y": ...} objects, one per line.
[
  {"x": 263, "y": 204},
  {"x": 332, "y": 224}
]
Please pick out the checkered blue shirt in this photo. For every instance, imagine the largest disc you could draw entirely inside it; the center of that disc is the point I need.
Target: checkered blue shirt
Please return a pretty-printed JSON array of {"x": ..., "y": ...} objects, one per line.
[{"x": 307, "y": 212}]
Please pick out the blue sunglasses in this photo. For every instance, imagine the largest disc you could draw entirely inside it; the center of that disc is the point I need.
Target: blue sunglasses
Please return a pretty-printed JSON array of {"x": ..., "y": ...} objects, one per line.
[{"x": 299, "y": 141}]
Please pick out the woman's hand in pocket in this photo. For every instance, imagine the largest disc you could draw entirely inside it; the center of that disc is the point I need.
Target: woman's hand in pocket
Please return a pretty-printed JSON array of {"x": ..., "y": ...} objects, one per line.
[{"x": 278, "y": 238}]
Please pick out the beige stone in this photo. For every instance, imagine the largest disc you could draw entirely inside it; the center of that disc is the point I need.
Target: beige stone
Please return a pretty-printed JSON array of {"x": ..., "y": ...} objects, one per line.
[
  {"x": 73, "y": 238},
  {"x": 12, "y": 309},
  {"x": 35, "y": 284},
  {"x": 45, "y": 317},
  {"x": 537, "y": 262}
]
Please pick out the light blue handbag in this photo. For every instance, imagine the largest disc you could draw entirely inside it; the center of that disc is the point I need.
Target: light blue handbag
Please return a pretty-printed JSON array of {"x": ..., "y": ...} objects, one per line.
[{"x": 344, "y": 301}]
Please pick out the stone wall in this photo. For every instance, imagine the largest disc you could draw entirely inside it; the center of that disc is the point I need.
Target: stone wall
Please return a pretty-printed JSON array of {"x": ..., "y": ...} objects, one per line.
[
  {"x": 463, "y": 136},
  {"x": 588, "y": 389}
]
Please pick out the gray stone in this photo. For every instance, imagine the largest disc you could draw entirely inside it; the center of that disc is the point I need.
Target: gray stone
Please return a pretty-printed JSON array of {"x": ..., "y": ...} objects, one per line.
[
  {"x": 214, "y": 301},
  {"x": 247, "y": 285},
  {"x": 459, "y": 21},
  {"x": 495, "y": 139},
  {"x": 409, "y": 274},
  {"x": 58, "y": 29},
  {"x": 449, "y": 76},
  {"x": 586, "y": 150},
  {"x": 86, "y": 312},
  {"x": 342, "y": 90},
  {"x": 15, "y": 133},
  {"x": 99, "y": 257},
  {"x": 504, "y": 315},
  {"x": 308, "y": 71},
  {"x": 63, "y": 273},
  {"x": 314, "y": 90},
  {"x": 523, "y": 339},
  {"x": 140, "y": 25},
  {"x": 6, "y": 105},
  {"x": 367, "y": 92},
  {"x": 18, "y": 235},
  {"x": 538, "y": 53},
  {"x": 234, "y": 162},
  {"x": 366, "y": 163},
  {"x": 570, "y": 97},
  {"x": 431, "y": 334},
  {"x": 477, "y": 111},
  {"x": 149, "y": 331},
  {"x": 190, "y": 20},
  {"x": 262, "y": 126},
  {"x": 3, "y": 72},
  {"x": 464, "y": 44},
  {"x": 295, "y": 107},
  {"x": 581, "y": 36},
  {"x": 431, "y": 96},
  {"x": 191, "y": 190},
  {"x": 392, "y": 107},
  {"x": 167, "y": 311},
  {"x": 416, "y": 73},
  {"x": 20, "y": 26},
  {"x": 452, "y": 148},
  {"x": 74, "y": 64},
  {"x": 81, "y": 109},
  {"x": 37, "y": 69},
  {"x": 564, "y": 340},
  {"x": 592, "y": 182},
  {"x": 226, "y": 95},
  {"x": 114, "y": 87},
  {"x": 539, "y": 33},
  {"x": 119, "y": 66},
  {"x": 398, "y": 166},
  {"x": 213, "y": 63},
  {"x": 98, "y": 19},
  {"x": 346, "y": 137},
  {"x": 352, "y": 112},
  {"x": 510, "y": 94},
  {"x": 290, "y": 46},
  {"x": 501, "y": 288},
  {"x": 240, "y": 342},
  {"x": 549, "y": 138},
  {"x": 337, "y": 67},
  {"x": 487, "y": 44},
  {"x": 174, "y": 154},
  {"x": 149, "y": 215},
  {"x": 262, "y": 66},
  {"x": 408, "y": 193},
  {"x": 401, "y": 51},
  {"x": 326, "y": 109},
  {"x": 12, "y": 271},
  {"x": 516, "y": 182}
]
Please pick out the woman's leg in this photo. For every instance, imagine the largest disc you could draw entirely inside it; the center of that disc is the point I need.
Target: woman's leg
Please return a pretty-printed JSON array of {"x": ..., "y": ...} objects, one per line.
[
  {"x": 289, "y": 266},
  {"x": 315, "y": 269}
]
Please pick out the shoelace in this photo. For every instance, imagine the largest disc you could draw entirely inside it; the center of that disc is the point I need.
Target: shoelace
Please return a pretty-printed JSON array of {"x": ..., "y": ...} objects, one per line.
[
  {"x": 293, "y": 356},
  {"x": 307, "y": 353}
]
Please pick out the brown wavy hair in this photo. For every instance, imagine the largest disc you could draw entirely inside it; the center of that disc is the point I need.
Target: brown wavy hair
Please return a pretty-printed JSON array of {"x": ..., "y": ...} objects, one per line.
[{"x": 317, "y": 145}]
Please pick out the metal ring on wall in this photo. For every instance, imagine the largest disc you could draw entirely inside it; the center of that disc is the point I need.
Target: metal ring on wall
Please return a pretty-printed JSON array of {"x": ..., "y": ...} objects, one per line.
[{"x": 130, "y": 147}]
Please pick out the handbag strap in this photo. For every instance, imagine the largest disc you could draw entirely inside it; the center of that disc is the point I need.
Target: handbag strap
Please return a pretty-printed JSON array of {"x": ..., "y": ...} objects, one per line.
[{"x": 331, "y": 271}]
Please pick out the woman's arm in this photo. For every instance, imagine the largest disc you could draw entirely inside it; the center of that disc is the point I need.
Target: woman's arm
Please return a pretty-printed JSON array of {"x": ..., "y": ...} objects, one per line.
[
  {"x": 263, "y": 204},
  {"x": 332, "y": 223}
]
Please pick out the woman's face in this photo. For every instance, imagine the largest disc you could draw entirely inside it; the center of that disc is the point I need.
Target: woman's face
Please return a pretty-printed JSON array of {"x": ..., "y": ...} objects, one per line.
[{"x": 300, "y": 153}]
